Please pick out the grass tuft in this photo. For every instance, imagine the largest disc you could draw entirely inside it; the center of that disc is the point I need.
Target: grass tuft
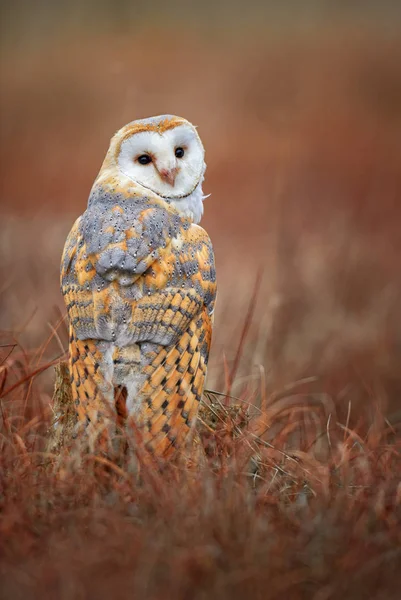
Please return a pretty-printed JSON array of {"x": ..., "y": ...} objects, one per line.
[{"x": 276, "y": 502}]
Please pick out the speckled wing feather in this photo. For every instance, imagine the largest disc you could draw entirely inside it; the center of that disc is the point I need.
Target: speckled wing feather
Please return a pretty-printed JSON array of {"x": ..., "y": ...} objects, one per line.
[
  {"x": 90, "y": 386},
  {"x": 173, "y": 388},
  {"x": 139, "y": 285}
]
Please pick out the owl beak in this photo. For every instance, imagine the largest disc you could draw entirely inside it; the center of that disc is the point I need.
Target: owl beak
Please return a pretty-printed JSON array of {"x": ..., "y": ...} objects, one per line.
[{"x": 169, "y": 175}]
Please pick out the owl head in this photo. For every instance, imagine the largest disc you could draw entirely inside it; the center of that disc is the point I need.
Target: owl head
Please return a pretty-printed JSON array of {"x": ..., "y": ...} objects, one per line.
[{"x": 165, "y": 155}]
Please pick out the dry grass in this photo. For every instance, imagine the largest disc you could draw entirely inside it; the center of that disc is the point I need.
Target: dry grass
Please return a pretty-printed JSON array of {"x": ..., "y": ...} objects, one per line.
[{"x": 286, "y": 502}]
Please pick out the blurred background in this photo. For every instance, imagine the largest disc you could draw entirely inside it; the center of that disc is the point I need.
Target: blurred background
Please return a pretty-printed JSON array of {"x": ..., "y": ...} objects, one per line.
[{"x": 299, "y": 108}]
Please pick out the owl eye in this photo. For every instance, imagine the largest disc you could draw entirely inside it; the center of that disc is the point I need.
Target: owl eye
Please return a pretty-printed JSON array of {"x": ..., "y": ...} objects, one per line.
[
  {"x": 144, "y": 159},
  {"x": 179, "y": 152}
]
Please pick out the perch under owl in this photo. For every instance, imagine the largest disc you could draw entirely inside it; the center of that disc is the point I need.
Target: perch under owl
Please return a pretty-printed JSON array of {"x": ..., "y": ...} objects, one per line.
[{"x": 138, "y": 279}]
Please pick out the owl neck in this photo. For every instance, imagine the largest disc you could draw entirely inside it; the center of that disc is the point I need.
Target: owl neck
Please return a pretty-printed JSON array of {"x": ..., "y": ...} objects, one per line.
[
  {"x": 109, "y": 182},
  {"x": 190, "y": 206}
]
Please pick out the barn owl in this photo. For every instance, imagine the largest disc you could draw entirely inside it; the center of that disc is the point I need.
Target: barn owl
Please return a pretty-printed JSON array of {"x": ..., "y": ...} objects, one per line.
[{"x": 138, "y": 279}]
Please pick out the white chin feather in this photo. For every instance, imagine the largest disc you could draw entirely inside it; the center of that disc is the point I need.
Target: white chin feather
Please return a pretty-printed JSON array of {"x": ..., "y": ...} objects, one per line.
[{"x": 191, "y": 206}]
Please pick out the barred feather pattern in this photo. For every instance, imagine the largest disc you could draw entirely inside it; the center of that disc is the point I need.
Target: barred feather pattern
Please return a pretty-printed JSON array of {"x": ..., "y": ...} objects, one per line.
[{"x": 139, "y": 284}]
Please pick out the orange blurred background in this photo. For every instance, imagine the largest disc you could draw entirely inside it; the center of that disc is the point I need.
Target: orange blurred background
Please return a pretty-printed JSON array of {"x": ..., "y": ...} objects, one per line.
[{"x": 299, "y": 109}]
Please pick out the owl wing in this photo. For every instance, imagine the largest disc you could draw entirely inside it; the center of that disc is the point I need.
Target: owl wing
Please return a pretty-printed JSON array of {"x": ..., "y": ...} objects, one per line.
[
  {"x": 173, "y": 389},
  {"x": 177, "y": 287},
  {"x": 117, "y": 243},
  {"x": 77, "y": 282},
  {"x": 163, "y": 266},
  {"x": 123, "y": 240},
  {"x": 175, "y": 377}
]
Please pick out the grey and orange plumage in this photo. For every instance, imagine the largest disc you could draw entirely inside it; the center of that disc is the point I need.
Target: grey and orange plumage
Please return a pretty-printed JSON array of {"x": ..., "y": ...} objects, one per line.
[{"x": 138, "y": 279}]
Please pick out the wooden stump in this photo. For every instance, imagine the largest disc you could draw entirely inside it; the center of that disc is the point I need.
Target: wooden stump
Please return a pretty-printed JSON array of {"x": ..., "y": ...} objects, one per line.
[{"x": 64, "y": 414}]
